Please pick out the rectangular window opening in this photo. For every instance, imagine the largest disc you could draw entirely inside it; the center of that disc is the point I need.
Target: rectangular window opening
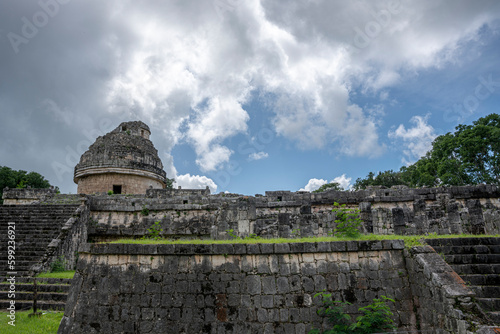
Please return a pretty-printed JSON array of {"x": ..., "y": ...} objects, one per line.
[
  {"x": 117, "y": 189},
  {"x": 185, "y": 201}
]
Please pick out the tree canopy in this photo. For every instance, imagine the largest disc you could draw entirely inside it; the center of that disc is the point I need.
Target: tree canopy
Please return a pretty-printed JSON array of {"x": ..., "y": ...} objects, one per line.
[
  {"x": 331, "y": 185},
  {"x": 470, "y": 155},
  {"x": 20, "y": 179}
]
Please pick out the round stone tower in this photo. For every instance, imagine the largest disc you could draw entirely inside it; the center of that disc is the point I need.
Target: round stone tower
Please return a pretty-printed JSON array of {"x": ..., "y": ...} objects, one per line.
[{"x": 123, "y": 161}]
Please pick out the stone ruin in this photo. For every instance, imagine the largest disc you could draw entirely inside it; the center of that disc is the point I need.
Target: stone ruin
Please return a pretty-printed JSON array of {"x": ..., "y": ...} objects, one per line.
[
  {"x": 123, "y": 161},
  {"x": 449, "y": 286}
]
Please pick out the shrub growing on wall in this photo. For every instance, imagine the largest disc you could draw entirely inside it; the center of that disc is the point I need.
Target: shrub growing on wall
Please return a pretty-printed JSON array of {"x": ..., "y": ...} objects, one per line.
[{"x": 376, "y": 318}]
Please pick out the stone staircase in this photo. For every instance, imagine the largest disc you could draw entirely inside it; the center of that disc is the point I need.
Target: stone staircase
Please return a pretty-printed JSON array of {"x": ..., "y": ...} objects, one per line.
[
  {"x": 51, "y": 293},
  {"x": 35, "y": 227},
  {"x": 477, "y": 261}
]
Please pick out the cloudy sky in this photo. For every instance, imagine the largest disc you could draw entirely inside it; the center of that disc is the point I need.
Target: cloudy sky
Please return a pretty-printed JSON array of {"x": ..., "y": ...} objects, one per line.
[{"x": 245, "y": 96}]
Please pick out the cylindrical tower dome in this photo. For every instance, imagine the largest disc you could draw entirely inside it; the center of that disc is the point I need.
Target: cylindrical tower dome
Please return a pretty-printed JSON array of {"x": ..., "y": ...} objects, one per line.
[{"x": 124, "y": 161}]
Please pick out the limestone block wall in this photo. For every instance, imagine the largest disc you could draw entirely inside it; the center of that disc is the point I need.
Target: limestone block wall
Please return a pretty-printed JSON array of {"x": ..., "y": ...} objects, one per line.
[
  {"x": 240, "y": 288},
  {"x": 260, "y": 288},
  {"x": 25, "y": 196},
  {"x": 197, "y": 214},
  {"x": 440, "y": 296},
  {"x": 66, "y": 244},
  {"x": 102, "y": 183}
]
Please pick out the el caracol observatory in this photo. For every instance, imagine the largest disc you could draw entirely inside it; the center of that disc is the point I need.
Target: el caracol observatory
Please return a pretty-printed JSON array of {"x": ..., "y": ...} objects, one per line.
[{"x": 124, "y": 161}]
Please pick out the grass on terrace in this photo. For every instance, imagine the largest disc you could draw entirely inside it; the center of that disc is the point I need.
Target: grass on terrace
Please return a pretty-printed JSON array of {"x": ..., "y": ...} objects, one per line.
[
  {"x": 48, "y": 323},
  {"x": 58, "y": 274},
  {"x": 410, "y": 241}
]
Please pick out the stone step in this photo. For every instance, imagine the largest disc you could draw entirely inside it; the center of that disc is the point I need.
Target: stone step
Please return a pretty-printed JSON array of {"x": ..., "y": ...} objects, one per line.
[
  {"x": 23, "y": 257},
  {"x": 476, "y": 268},
  {"x": 46, "y": 296},
  {"x": 41, "y": 280},
  {"x": 28, "y": 213},
  {"x": 26, "y": 305},
  {"x": 31, "y": 231},
  {"x": 31, "y": 241},
  {"x": 49, "y": 224},
  {"x": 495, "y": 316},
  {"x": 472, "y": 258},
  {"x": 19, "y": 273},
  {"x": 28, "y": 230},
  {"x": 17, "y": 269},
  {"x": 36, "y": 235},
  {"x": 18, "y": 263},
  {"x": 486, "y": 291},
  {"x": 29, "y": 251},
  {"x": 463, "y": 241},
  {"x": 476, "y": 249},
  {"x": 489, "y": 304},
  {"x": 34, "y": 214},
  {"x": 10, "y": 208},
  {"x": 59, "y": 288},
  {"x": 36, "y": 225}
]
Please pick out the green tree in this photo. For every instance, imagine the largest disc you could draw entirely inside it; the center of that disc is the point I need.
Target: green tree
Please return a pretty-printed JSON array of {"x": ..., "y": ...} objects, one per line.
[
  {"x": 470, "y": 155},
  {"x": 388, "y": 179},
  {"x": 331, "y": 185},
  {"x": 169, "y": 183},
  {"x": 20, "y": 179}
]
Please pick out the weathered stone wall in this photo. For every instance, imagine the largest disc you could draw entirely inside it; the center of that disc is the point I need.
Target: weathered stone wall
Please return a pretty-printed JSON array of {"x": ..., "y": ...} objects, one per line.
[
  {"x": 119, "y": 157},
  {"x": 441, "y": 298},
  {"x": 66, "y": 244},
  {"x": 196, "y": 214},
  {"x": 102, "y": 183},
  {"x": 259, "y": 288},
  {"x": 25, "y": 196}
]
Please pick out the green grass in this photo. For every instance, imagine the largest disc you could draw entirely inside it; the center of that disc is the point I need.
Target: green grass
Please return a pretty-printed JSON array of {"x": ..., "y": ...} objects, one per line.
[
  {"x": 58, "y": 274},
  {"x": 410, "y": 241},
  {"x": 48, "y": 323}
]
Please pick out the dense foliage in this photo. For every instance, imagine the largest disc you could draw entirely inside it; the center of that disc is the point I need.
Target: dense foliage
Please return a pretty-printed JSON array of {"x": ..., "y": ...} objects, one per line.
[
  {"x": 169, "y": 184},
  {"x": 20, "y": 179},
  {"x": 347, "y": 220},
  {"x": 375, "y": 318},
  {"x": 470, "y": 155}
]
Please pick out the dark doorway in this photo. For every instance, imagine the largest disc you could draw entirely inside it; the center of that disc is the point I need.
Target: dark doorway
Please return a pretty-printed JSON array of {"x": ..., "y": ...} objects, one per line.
[{"x": 117, "y": 189}]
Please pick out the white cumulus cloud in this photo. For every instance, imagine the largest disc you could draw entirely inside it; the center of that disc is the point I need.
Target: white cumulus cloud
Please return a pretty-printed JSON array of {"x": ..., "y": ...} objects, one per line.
[
  {"x": 189, "y": 181},
  {"x": 344, "y": 181},
  {"x": 258, "y": 156},
  {"x": 193, "y": 67},
  {"x": 417, "y": 140},
  {"x": 313, "y": 184}
]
